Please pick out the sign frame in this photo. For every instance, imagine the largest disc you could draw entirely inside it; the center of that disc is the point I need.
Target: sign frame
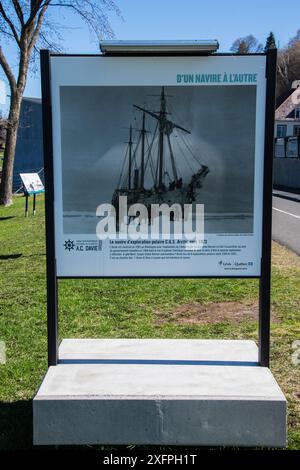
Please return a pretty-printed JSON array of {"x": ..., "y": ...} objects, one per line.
[{"x": 265, "y": 273}]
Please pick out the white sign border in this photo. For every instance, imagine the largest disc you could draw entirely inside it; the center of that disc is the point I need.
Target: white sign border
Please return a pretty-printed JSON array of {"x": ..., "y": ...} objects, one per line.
[{"x": 152, "y": 71}]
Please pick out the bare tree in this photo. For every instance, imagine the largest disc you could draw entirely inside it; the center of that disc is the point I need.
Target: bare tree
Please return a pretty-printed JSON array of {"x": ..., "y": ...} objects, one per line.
[
  {"x": 2, "y": 132},
  {"x": 294, "y": 39},
  {"x": 246, "y": 45},
  {"x": 288, "y": 65},
  {"x": 29, "y": 25},
  {"x": 283, "y": 75}
]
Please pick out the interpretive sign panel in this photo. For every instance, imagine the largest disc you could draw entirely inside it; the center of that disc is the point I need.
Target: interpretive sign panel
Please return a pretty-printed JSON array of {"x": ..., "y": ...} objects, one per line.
[
  {"x": 158, "y": 165},
  {"x": 32, "y": 183}
]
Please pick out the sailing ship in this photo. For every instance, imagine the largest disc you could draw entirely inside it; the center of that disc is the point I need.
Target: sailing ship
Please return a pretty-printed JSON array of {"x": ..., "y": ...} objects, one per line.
[{"x": 140, "y": 162}]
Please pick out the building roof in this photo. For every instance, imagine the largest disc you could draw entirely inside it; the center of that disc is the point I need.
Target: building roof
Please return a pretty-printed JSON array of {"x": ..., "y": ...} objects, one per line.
[
  {"x": 32, "y": 100},
  {"x": 285, "y": 110}
]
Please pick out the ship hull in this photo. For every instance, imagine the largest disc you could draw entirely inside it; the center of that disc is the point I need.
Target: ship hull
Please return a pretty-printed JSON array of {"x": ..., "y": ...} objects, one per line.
[{"x": 186, "y": 194}]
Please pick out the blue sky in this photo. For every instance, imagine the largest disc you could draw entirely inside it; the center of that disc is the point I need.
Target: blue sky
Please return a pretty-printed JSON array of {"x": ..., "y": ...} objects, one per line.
[{"x": 224, "y": 20}]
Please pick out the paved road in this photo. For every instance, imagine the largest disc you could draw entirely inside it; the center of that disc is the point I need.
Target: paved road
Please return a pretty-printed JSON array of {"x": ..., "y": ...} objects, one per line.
[{"x": 286, "y": 220}]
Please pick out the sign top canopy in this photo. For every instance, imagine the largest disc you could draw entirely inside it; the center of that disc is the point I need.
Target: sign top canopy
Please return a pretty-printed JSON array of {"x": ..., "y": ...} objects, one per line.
[{"x": 202, "y": 46}]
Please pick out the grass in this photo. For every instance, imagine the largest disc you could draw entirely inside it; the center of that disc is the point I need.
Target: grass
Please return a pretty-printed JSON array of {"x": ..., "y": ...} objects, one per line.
[{"x": 120, "y": 308}]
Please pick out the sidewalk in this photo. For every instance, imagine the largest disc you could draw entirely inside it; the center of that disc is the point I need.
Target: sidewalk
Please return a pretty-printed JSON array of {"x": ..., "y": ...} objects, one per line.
[{"x": 291, "y": 195}]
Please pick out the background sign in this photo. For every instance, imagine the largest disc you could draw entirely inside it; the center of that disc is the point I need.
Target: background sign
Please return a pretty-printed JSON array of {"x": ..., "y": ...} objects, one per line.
[
  {"x": 32, "y": 183},
  {"x": 175, "y": 131}
]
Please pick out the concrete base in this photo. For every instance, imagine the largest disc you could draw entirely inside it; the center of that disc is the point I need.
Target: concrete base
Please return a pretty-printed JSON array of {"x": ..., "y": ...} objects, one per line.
[{"x": 166, "y": 392}]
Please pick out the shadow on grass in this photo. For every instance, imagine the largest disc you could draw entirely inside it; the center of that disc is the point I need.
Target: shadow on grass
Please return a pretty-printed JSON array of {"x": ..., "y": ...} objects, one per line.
[
  {"x": 16, "y": 425},
  {"x": 7, "y": 218},
  {"x": 8, "y": 257}
]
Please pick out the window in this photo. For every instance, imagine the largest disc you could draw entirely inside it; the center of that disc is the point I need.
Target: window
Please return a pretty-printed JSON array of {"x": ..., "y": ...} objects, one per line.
[
  {"x": 296, "y": 130},
  {"x": 297, "y": 113},
  {"x": 279, "y": 148},
  {"x": 292, "y": 148},
  {"x": 281, "y": 130}
]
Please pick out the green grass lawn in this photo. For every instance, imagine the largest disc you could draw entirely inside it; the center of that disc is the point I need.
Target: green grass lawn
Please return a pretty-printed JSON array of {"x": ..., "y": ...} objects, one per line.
[{"x": 122, "y": 308}]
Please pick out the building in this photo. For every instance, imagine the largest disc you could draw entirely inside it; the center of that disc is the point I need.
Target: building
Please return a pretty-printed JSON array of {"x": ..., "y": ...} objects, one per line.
[
  {"x": 287, "y": 141},
  {"x": 29, "y": 150},
  {"x": 287, "y": 124}
]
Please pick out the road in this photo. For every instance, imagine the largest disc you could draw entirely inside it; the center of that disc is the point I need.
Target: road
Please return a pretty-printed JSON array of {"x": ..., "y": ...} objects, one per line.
[{"x": 286, "y": 220}]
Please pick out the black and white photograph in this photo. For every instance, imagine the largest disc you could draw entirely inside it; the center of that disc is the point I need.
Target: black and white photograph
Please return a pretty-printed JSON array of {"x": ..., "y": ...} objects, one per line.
[{"x": 155, "y": 145}]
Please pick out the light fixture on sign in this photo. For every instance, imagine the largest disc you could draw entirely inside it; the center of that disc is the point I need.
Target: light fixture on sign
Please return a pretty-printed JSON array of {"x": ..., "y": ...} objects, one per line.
[{"x": 199, "y": 46}]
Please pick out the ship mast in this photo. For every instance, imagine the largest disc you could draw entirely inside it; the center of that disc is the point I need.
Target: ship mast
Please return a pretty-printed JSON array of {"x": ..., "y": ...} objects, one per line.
[
  {"x": 162, "y": 125},
  {"x": 130, "y": 157},
  {"x": 172, "y": 159},
  {"x": 165, "y": 128},
  {"x": 143, "y": 132}
]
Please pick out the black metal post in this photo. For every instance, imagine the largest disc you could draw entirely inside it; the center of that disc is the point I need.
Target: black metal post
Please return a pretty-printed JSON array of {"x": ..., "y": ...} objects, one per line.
[
  {"x": 52, "y": 312},
  {"x": 34, "y": 200},
  {"x": 265, "y": 279},
  {"x": 26, "y": 204}
]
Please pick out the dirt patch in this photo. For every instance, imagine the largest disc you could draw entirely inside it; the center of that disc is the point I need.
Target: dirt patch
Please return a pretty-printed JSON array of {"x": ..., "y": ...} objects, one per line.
[{"x": 214, "y": 312}]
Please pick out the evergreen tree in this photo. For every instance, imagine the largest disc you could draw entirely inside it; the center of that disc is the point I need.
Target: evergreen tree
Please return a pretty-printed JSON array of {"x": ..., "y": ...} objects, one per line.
[{"x": 270, "y": 42}]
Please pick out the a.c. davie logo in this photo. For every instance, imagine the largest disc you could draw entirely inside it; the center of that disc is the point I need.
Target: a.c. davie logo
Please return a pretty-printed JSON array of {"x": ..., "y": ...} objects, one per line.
[
  {"x": 80, "y": 245},
  {"x": 69, "y": 245}
]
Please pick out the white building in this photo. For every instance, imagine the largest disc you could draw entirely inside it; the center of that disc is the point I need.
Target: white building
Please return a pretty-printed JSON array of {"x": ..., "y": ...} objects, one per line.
[
  {"x": 287, "y": 141},
  {"x": 287, "y": 125}
]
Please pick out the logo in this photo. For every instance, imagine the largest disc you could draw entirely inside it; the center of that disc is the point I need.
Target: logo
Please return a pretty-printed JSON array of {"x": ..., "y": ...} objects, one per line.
[
  {"x": 69, "y": 245},
  {"x": 151, "y": 222}
]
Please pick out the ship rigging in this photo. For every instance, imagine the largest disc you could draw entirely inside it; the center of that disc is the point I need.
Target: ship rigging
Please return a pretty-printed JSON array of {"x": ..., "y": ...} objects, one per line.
[{"x": 141, "y": 161}]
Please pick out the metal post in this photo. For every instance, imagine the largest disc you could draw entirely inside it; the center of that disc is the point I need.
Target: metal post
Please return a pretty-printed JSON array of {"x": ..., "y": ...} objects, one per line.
[
  {"x": 52, "y": 313},
  {"x": 162, "y": 117},
  {"x": 33, "y": 208},
  {"x": 130, "y": 158},
  {"x": 265, "y": 278},
  {"x": 143, "y": 153},
  {"x": 26, "y": 205}
]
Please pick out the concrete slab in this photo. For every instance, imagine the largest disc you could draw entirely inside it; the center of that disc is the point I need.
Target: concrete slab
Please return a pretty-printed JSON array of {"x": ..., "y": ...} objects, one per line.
[
  {"x": 160, "y": 350},
  {"x": 169, "y": 392}
]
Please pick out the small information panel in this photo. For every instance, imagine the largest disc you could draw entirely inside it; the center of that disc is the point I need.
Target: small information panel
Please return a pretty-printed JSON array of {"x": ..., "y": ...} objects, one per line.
[
  {"x": 158, "y": 165},
  {"x": 32, "y": 183}
]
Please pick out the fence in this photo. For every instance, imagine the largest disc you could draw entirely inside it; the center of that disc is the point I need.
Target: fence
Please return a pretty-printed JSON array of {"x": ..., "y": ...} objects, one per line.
[{"x": 287, "y": 147}]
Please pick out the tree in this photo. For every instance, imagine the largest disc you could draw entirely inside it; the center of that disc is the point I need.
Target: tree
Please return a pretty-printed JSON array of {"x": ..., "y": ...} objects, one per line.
[
  {"x": 270, "y": 42},
  {"x": 288, "y": 65},
  {"x": 246, "y": 45},
  {"x": 30, "y": 25},
  {"x": 283, "y": 74},
  {"x": 295, "y": 39}
]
